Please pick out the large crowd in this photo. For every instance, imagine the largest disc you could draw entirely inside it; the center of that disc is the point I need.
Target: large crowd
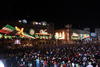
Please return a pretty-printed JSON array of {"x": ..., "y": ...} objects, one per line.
[{"x": 80, "y": 55}]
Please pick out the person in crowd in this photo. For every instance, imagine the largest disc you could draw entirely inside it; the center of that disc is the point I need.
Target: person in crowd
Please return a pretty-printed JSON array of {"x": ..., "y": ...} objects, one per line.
[
  {"x": 89, "y": 65},
  {"x": 58, "y": 56}
]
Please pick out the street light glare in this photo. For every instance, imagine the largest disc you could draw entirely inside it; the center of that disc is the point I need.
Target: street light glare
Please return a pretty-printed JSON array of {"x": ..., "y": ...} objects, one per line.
[{"x": 1, "y": 64}]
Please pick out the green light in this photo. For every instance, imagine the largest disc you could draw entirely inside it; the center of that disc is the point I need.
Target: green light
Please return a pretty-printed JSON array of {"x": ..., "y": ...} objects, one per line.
[
  {"x": 10, "y": 37},
  {"x": 36, "y": 36},
  {"x": 0, "y": 35},
  {"x": 5, "y": 37},
  {"x": 41, "y": 37}
]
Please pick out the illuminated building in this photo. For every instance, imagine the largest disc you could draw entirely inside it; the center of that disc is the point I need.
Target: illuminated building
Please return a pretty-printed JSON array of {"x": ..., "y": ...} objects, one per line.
[
  {"x": 37, "y": 33},
  {"x": 68, "y": 35},
  {"x": 42, "y": 31},
  {"x": 63, "y": 36},
  {"x": 35, "y": 27}
]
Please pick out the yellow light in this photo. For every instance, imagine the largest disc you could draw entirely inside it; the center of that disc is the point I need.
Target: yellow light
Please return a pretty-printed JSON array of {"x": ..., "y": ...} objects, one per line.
[
  {"x": 20, "y": 31},
  {"x": 62, "y": 35},
  {"x": 56, "y": 35}
]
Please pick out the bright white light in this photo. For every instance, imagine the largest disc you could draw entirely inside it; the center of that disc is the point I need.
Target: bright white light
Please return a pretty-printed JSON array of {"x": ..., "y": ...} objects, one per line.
[
  {"x": 17, "y": 42},
  {"x": 1, "y": 64},
  {"x": 39, "y": 23},
  {"x": 73, "y": 64},
  {"x": 20, "y": 21},
  {"x": 75, "y": 34},
  {"x": 56, "y": 35},
  {"x": 24, "y": 21},
  {"x": 33, "y": 23},
  {"x": 44, "y": 23},
  {"x": 36, "y": 23}
]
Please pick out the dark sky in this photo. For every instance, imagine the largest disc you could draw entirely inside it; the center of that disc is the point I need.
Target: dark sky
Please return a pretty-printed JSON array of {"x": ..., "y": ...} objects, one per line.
[{"x": 79, "y": 13}]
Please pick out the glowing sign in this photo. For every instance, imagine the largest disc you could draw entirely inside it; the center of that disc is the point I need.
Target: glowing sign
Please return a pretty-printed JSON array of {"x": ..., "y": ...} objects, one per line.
[
  {"x": 60, "y": 35},
  {"x": 63, "y": 35},
  {"x": 93, "y": 34}
]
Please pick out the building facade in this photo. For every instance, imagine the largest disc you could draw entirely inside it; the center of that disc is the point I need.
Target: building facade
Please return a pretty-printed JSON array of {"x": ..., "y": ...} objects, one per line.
[{"x": 97, "y": 31}]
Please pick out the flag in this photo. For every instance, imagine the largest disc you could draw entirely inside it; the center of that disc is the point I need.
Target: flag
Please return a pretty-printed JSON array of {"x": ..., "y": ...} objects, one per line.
[{"x": 7, "y": 29}]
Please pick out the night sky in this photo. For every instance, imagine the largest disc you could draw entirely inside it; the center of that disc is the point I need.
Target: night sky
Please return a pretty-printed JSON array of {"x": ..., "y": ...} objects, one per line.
[{"x": 79, "y": 13}]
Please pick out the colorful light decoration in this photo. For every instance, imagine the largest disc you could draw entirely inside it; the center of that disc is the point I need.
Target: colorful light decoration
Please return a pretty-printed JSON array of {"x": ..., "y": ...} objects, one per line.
[
  {"x": 75, "y": 36},
  {"x": 43, "y": 36},
  {"x": 5, "y": 36},
  {"x": 50, "y": 37},
  {"x": 36, "y": 36},
  {"x": 94, "y": 35},
  {"x": 43, "y": 32},
  {"x": 28, "y": 36},
  {"x": 46, "y": 37},
  {"x": 83, "y": 36},
  {"x": 32, "y": 31},
  {"x": 20, "y": 31}
]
